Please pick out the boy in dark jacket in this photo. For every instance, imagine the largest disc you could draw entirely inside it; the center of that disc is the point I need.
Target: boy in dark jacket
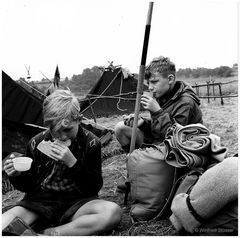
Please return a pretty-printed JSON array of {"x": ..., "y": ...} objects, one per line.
[
  {"x": 171, "y": 101},
  {"x": 62, "y": 187}
]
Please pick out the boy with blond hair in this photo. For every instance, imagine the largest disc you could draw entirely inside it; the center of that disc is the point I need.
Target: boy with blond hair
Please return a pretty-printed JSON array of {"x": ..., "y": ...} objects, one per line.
[{"x": 62, "y": 186}]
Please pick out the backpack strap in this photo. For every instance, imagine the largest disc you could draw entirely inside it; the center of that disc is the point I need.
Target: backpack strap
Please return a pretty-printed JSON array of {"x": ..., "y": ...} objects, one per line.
[{"x": 126, "y": 192}]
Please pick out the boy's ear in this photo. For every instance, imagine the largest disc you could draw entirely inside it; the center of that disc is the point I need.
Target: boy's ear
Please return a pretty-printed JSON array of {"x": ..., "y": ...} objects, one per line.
[{"x": 171, "y": 78}]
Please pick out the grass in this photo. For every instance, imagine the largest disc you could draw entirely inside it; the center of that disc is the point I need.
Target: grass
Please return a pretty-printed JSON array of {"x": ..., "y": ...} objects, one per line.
[
  {"x": 219, "y": 119},
  {"x": 222, "y": 120}
]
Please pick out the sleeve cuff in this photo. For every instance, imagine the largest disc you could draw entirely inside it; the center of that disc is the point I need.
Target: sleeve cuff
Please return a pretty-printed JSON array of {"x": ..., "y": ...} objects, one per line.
[{"x": 156, "y": 114}]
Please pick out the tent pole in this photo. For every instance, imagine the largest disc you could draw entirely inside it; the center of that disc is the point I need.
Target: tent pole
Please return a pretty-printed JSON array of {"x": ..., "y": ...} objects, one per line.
[
  {"x": 141, "y": 76},
  {"x": 90, "y": 104}
]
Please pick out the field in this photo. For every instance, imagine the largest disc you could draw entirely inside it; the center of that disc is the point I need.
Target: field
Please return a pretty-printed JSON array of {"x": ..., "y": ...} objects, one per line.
[{"x": 221, "y": 120}]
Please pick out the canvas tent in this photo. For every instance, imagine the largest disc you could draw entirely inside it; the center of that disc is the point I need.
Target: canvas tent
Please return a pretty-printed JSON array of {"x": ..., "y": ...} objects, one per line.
[
  {"x": 19, "y": 108},
  {"x": 114, "y": 93}
]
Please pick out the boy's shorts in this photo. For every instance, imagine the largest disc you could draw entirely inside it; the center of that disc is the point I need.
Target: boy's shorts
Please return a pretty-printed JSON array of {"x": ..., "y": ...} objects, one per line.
[{"x": 56, "y": 207}]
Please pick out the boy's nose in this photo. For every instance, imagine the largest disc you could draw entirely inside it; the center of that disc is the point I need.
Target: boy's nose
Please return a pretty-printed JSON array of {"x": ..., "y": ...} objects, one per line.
[{"x": 150, "y": 87}]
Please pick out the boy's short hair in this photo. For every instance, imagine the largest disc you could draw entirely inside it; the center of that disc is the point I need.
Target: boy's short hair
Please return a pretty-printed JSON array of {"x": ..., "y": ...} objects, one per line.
[
  {"x": 161, "y": 65},
  {"x": 60, "y": 108}
]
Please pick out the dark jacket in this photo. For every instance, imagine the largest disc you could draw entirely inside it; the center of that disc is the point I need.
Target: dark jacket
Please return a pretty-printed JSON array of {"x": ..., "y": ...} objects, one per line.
[
  {"x": 86, "y": 172},
  {"x": 181, "y": 105}
]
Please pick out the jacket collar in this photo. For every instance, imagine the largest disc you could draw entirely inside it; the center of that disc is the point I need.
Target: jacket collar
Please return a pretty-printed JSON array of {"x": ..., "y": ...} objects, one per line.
[
  {"x": 180, "y": 89},
  {"x": 172, "y": 95}
]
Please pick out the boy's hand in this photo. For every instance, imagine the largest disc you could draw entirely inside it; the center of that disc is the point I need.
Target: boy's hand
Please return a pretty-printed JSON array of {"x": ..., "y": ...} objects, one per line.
[
  {"x": 9, "y": 168},
  {"x": 128, "y": 120},
  {"x": 150, "y": 103},
  {"x": 62, "y": 153}
]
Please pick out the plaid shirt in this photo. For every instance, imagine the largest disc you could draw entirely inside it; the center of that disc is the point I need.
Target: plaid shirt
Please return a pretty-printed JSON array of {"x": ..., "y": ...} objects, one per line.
[{"x": 56, "y": 181}]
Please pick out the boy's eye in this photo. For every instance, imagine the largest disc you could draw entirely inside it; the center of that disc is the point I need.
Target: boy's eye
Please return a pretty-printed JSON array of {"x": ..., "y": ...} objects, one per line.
[{"x": 153, "y": 81}]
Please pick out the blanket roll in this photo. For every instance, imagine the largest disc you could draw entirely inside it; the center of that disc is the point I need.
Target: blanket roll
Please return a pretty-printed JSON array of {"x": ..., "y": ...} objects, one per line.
[{"x": 193, "y": 146}]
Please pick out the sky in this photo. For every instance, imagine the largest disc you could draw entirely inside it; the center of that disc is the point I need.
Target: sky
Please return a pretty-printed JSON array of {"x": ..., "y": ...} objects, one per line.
[{"x": 76, "y": 34}]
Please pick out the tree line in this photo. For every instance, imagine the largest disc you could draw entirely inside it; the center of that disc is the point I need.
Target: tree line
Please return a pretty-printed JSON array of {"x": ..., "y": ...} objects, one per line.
[
  {"x": 220, "y": 72},
  {"x": 80, "y": 84}
]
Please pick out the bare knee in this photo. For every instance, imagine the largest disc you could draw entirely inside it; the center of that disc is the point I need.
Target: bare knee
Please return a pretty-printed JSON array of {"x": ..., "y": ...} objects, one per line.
[
  {"x": 111, "y": 216},
  {"x": 122, "y": 133},
  {"x": 114, "y": 213},
  {"x": 119, "y": 128}
]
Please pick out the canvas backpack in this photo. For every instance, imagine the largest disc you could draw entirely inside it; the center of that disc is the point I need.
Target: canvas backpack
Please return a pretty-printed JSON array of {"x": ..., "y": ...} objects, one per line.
[{"x": 152, "y": 183}]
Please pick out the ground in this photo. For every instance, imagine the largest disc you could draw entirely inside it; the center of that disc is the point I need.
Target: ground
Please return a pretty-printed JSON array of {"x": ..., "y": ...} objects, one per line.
[{"x": 221, "y": 120}]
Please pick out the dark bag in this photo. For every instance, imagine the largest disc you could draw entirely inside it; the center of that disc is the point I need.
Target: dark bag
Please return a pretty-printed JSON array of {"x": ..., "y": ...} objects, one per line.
[{"x": 188, "y": 181}]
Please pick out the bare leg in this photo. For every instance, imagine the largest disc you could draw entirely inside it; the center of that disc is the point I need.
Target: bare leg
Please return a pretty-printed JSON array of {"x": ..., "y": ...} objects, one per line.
[
  {"x": 93, "y": 217},
  {"x": 27, "y": 216},
  {"x": 124, "y": 133}
]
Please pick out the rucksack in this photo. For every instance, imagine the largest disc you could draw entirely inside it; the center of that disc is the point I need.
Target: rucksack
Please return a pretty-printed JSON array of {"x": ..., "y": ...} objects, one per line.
[{"x": 152, "y": 183}]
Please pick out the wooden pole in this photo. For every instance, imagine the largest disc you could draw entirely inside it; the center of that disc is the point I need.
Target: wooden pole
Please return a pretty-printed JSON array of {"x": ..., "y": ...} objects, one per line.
[
  {"x": 208, "y": 91},
  {"x": 141, "y": 76},
  {"x": 197, "y": 89},
  {"x": 220, "y": 92},
  {"x": 213, "y": 85}
]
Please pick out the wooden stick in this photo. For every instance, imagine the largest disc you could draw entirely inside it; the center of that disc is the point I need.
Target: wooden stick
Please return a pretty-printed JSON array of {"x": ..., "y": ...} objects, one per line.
[
  {"x": 220, "y": 91},
  {"x": 141, "y": 76},
  {"x": 90, "y": 104},
  {"x": 208, "y": 93}
]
